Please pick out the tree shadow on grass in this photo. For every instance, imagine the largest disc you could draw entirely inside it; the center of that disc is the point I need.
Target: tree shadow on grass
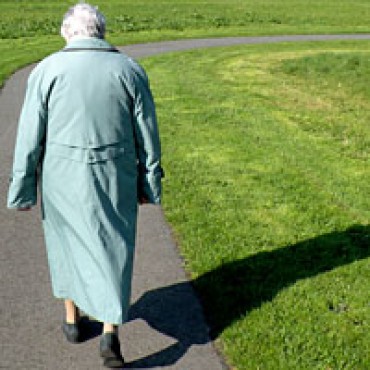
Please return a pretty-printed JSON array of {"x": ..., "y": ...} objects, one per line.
[{"x": 235, "y": 288}]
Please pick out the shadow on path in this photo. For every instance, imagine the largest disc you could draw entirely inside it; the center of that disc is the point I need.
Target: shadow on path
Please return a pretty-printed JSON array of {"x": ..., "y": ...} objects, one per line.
[
  {"x": 233, "y": 289},
  {"x": 91, "y": 328}
]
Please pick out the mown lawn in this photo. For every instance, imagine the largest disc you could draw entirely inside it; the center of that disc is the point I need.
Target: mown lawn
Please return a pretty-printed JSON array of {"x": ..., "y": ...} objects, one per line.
[
  {"x": 26, "y": 18},
  {"x": 266, "y": 151},
  {"x": 29, "y": 29}
]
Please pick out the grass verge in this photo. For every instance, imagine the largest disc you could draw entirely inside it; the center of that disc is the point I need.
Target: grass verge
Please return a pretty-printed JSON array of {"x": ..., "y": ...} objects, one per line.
[
  {"x": 29, "y": 29},
  {"x": 266, "y": 151},
  {"x": 34, "y": 17}
]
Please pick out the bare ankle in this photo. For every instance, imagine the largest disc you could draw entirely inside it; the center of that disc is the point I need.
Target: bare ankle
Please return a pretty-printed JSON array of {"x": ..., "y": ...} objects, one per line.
[
  {"x": 72, "y": 312},
  {"x": 110, "y": 328}
]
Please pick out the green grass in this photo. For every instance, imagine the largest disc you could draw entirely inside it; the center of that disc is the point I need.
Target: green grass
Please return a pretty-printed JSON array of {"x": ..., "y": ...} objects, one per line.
[
  {"x": 31, "y": 18},
  {"x": 32, "y": 26},
  {"x": 266, "y": 151}
]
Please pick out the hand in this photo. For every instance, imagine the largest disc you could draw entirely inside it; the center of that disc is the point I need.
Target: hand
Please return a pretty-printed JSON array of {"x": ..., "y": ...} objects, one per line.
[
  {"x": 143, "y": 200},
  {"x": 24, "y": 209}
]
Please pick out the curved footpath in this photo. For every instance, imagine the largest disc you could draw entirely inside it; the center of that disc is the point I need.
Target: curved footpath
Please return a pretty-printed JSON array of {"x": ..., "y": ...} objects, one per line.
[{"x": 166, "y": 327}]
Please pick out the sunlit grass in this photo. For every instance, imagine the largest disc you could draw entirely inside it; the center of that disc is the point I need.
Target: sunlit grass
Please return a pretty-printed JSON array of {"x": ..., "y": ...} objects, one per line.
[
  {"x": 267, "y": 189},
  {"x": 34, "y": 17},
  {"x": 30, "y": 29}
]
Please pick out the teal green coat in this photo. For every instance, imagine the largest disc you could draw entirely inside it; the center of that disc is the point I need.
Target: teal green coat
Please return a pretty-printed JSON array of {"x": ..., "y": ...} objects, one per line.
[{"x": 88, "y": 136}]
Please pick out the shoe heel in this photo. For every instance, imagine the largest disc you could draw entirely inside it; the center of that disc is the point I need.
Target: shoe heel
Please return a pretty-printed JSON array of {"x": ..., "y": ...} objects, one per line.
[{"x": 71, "y": 332}]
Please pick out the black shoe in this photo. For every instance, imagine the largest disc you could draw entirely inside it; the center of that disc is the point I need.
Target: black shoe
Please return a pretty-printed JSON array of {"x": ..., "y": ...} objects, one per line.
[
  {"x": 71, "y": 332},
  {"x": 110, "y": 350}
]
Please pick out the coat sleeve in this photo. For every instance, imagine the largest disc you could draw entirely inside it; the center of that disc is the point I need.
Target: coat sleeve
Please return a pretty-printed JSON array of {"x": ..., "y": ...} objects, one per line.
[
  {"x": 28, "y": 147},
  {"x": 147, "y": 140}
]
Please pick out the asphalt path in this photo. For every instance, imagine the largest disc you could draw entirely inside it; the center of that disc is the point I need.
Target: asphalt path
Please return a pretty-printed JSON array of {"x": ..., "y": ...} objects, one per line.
[{"x": 166, "y": 327}]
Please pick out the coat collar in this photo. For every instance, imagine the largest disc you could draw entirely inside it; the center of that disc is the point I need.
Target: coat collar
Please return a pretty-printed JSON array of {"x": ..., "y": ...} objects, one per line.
[{"x": 88, "y": 43}]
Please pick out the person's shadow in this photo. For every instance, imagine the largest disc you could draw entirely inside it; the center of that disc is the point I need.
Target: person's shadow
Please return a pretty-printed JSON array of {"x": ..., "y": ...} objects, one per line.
[{"x": 235, "y": 288}]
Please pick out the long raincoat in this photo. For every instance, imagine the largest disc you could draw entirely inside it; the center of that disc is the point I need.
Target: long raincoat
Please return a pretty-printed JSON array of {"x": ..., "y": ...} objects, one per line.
[{"x": 88, "y": 135}]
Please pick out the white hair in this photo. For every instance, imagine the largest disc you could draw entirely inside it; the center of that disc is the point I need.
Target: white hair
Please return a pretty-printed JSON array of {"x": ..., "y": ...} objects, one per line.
[{"x": 83, "y": 20}]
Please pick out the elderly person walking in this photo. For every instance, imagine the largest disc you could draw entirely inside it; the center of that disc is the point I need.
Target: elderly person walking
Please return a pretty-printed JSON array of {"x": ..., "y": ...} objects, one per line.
[{"x": 88, "y": 135}]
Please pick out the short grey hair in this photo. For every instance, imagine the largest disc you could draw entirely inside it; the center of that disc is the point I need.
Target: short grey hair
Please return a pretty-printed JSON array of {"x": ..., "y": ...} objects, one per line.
[{"x": 83, "y": 20}]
